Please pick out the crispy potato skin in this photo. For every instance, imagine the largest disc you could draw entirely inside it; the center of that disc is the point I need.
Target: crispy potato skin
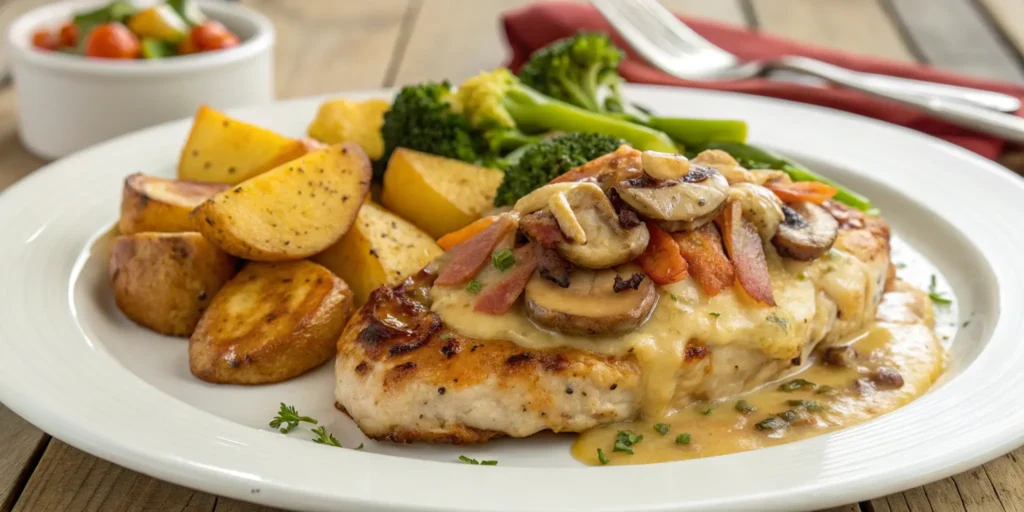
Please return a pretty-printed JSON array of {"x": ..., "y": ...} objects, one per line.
[
  {"x": 272, "y": 322},
  {"x": 164, "y": 281},
  {"x": 291, "y": 212},
  {"x": 153, "y": 204}
]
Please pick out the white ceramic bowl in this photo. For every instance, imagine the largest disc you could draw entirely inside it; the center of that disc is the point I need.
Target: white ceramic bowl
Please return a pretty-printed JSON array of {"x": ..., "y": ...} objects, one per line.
[{"x": 69, "y": 102}]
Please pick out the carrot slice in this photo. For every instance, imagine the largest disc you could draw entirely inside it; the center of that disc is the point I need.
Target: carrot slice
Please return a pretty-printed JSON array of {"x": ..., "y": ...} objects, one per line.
[
  {"x": 811, "y": 191},
  {"x": 469, "y": 257},
  {"x": 706, "y": 259},
  {"x": 457, "y": 237},
  {"x": 747, "y": 254},
  {"x": 661, "y": 259}
]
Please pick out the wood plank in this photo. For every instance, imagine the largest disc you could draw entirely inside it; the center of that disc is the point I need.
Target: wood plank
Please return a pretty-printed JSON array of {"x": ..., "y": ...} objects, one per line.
[
  {"x": 977, "y": 492},
  {"x": 15, "y": 161},
  {"x": 230, "y": 505},
  {"x": 1009, "y": 16},
  {"x": 839, "y": 24},
  {"x": 469, "y": 30},
  {"x": 9, "y": 10},
  {"x": 22, "y": 445},
  {"x": 944, "y": 497},
  {"x": 69, "y": 479},
  {"x": 953, "y": 34},
  {"x": 324, "y": 47},
  {"x": 1007, "y": 476},
  {"x": 853, "y": 507}
]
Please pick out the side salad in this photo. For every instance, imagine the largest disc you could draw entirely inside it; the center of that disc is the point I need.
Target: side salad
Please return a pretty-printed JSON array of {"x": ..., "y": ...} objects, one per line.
[{"x": 120, "y": 31}]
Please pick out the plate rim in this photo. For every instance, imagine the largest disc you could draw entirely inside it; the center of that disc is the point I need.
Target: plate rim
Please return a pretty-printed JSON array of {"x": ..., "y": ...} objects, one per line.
[{"x": 166, "y": 465}]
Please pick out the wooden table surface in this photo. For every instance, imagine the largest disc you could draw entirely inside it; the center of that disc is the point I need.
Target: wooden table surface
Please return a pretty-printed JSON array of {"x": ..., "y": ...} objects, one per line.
[{"x": 334, "y": 45}]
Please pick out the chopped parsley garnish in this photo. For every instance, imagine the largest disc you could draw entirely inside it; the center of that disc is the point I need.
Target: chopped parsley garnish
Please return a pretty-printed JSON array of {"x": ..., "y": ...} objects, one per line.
[
  {"x": 474, "y": 286},
  {"x": 290, "y": 418},
  {"x": 325, "y": 437},
  {"x": 503, "y": 259},
  {"x": 934, "y": 294},
  {"x": 683, "y": 438},
  {"x": 901, "y": 266},
  {"x": 966, "y": 323},
  {"x": 475, "y": 462},
  {"x": 360, "y": 447},
  {"x": 745, "y": 407},
  {"x": 446, "y": 336},
  {"x": 810, "y": 405},
  {"x": 796, "y": 385},
  {"x": 625, "y": 439},
  {"x": 771, "y": 423},
  {"x": 601, "y": 457},
  {"x": 778, "y": 320},
  {"x": 716, "y": 315},
  {"x": 825, "y": 390},
  {"x": 708, "y": 411},
  {"x": 674, "y": 297},
  {"x": 661, "y": 428}
]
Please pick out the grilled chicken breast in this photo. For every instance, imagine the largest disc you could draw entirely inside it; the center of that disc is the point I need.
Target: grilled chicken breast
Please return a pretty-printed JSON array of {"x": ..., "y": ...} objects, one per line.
[{"x": 418, "y": 363}]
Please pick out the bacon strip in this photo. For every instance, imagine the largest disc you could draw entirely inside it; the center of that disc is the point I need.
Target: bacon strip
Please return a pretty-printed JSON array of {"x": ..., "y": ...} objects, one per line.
[
  {"x": 542, "y": 228},
  {"x": 497, "y": 298},
  {"x": 706, "y": 259},
  {"x": 470, "y": 256},
  {"x": 661, "y": 259},
  {"x": 747, "y": 254}
]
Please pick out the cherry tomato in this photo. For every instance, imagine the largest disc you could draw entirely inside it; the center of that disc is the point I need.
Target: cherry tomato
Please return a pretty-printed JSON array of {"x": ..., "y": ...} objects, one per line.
[
  {"x": 187, "y": 46},
  {"x": 68, "y": 35},
  {"x": 45, "y": 40},
  {"x": 112, "y": 41},
  {"x": 212, "y": 35}
]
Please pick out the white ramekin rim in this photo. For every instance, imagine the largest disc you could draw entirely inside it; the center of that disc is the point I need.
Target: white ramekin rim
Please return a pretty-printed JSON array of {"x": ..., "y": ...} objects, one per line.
[{"x": 20, "y": 34}]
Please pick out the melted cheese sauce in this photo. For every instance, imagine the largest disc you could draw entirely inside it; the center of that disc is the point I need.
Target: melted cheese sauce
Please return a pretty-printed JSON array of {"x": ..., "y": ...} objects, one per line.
[
  {"x": 762, "y": 341},
  {"x": 902, "y": 339}
]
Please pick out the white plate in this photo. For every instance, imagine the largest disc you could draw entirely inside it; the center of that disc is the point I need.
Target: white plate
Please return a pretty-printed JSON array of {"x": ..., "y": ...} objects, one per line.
[{"x": 73, "y": 365}]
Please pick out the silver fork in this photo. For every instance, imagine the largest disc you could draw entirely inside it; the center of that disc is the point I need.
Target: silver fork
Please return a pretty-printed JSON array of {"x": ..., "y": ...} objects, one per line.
[{"x": 673, "y": 47}]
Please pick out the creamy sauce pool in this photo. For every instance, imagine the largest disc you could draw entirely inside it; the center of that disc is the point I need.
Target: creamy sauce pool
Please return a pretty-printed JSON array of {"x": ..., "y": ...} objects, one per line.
[{"x": 827, "y": 301}]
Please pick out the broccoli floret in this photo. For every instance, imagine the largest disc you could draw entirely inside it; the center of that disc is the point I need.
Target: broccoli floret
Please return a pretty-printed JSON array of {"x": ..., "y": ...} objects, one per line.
[
  {"x": 499, "y": 100},
  {"x": 582, "y": 70},
  {"x": 423, "y": 118},
  {"x": 541, "y": 162}
]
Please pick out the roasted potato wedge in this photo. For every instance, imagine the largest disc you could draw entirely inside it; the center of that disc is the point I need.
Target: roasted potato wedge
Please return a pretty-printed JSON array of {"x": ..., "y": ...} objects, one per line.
[
  {"x": 380, "y": 249},
  {"x": 356, "y": 121},
  {"x": 161, "y": 205},
  {"x": 291, "y": 212},
  {"x": 164, "y": 281},
  {"x": 272, "y": 322},
  {"x": 440, "y": 195},
  {"x": 226, "y": 150}
]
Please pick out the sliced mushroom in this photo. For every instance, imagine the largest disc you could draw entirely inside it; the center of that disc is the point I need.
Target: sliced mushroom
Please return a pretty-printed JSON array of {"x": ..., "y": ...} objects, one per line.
[
  {"x": 538, "y": 199},
  {"x": 725, "y": 164},
  {"x": 760, "y": 206},
  {"x": 807, "y": 232},
  {"x": 687, "y": 203},
  {"x": 591, "y": 217},
  {"x": 590, "y": 305},
  {"x": 665, "y": 166}
]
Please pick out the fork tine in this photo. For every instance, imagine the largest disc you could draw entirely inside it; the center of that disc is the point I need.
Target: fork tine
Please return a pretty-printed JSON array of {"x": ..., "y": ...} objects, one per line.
[
  {"x": 649, "y": 26},
  {"x": 683, "y": 34},
  {"x": 631, "y": 32}
]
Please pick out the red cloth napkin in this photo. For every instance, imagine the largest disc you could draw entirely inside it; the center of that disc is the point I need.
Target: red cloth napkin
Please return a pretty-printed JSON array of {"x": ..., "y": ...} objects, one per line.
[{"x": 535, "y": 26}]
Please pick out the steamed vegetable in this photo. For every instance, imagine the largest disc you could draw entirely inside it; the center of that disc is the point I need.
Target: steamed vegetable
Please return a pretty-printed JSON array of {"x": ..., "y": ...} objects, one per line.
[
  {"x": 542, "y": 162},
  {"x": 498, "y": 100},
  {"x": 583, "y": 70},
  {"x": 422, "y": 118}
]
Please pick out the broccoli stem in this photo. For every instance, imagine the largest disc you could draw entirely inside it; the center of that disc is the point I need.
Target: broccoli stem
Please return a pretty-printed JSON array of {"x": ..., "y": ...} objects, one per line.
[
  {"x": 531, "y": 109},
  {"x": 691, "y": 132},
  {"x": 755, "y": 157}
]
